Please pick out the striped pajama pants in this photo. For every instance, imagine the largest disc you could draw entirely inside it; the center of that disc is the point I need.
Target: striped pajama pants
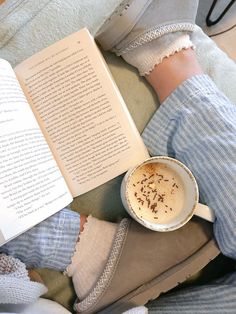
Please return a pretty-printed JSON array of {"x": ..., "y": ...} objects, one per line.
[{"x": 197, "y": 125}]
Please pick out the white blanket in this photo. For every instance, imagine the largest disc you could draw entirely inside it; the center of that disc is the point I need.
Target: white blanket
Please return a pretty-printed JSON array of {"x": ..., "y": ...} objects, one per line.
[{"x": 216, "y": 63}]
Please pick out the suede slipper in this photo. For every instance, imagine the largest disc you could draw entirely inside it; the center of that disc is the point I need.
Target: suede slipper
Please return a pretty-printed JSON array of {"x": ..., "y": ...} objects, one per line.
[{"x": 143, "y": 264}]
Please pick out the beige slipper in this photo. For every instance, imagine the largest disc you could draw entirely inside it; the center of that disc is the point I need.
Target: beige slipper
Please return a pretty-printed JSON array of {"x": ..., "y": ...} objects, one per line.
[{"x": 143, "y": 263}]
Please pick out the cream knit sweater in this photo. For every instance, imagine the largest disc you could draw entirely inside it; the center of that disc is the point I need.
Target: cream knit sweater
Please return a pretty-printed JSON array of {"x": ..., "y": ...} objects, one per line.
[{"x": 15, "y": 284}]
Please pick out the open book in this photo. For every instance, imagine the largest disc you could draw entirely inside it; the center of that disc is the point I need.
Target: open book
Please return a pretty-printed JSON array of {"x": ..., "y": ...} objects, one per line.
[{"x": 64, "y": 130}]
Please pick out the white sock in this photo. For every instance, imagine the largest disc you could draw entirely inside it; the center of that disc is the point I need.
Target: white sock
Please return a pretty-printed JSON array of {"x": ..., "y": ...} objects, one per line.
[
  {"x": 91, "y": 254},
  {"x": 147, "y": 56}
]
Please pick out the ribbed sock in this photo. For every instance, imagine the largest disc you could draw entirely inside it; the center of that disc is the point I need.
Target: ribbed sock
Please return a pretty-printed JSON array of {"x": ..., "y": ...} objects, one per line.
[
  {"x": 150, "y": 54},
  {"x": 91, "y": 254}
]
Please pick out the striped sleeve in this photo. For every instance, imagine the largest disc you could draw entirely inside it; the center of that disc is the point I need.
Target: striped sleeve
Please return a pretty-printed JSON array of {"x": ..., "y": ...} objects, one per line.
[
  {"x": 50, "y": 244},
  {"x": 197, "y": 125}
]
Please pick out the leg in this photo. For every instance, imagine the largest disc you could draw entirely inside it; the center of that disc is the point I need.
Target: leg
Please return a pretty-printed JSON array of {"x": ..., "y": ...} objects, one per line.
[
  {"x": 217, "y": 297},
  {"x": 105, "y": 248},
  {"x": 200, "y": 133},
  {"x": 50, "y": 244},
  {"x": 195, "y": 123}
]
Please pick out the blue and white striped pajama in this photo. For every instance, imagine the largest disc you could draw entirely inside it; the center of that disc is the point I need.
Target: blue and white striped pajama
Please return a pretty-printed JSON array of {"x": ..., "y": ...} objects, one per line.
[
  {"x": 197, "y": 125},
  {"x": 49, "y": 244}
]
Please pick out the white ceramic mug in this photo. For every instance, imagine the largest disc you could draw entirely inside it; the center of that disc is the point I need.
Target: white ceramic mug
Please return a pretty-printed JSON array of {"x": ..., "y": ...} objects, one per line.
[{"x": 190, "y": 205}]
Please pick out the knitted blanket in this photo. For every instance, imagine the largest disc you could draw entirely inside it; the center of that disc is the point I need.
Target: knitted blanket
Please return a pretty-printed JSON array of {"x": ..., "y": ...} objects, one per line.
[{"x": 15, "y": 284}]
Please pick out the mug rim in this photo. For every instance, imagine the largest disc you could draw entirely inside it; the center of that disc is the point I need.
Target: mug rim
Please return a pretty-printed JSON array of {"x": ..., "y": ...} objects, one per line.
[{"x": 151, "y": 225}]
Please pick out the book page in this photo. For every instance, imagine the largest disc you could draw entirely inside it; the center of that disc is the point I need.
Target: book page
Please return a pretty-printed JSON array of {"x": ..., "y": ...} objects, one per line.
[
  {"x": 81, "y": 111},
  {"x": 31, "y": 185}
]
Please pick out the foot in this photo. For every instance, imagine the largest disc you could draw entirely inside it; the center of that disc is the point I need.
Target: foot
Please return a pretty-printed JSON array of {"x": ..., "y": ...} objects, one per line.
[
  {"x": 142, "y": 263},
  {"x": 144, "y": 32},
  {"x": 136, "y": 22}
]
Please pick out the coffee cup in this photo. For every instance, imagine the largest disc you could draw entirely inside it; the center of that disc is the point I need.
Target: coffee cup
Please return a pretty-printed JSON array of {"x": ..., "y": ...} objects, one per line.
[{"x": 162, "y": 194}]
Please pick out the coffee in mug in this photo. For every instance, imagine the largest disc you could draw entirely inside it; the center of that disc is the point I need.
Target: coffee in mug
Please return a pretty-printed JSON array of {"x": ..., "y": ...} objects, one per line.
[
  {"x": 162, "y": 194},
  {"x": 156, "y": 193}
]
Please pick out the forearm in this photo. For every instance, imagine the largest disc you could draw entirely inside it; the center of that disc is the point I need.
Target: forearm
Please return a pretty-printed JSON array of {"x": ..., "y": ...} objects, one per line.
[
  {"x": 50, "y": 244},
  {"x": 196, "y": 124}
]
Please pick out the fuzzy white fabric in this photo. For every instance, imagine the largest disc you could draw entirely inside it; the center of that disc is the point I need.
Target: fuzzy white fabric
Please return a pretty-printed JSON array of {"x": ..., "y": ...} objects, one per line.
[
  {"x": 215, "y": 63},
  {"x": 137, "y": 310},
  {"x": 44, "y": 22},
  {"x": 41, "y": 306}
]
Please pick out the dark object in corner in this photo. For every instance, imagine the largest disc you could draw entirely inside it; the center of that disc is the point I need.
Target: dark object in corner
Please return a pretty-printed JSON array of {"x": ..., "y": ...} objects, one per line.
[{"x": 209, "y": 22}]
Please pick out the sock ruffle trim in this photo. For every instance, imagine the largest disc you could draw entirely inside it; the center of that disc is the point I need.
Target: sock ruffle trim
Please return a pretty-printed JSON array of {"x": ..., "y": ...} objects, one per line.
[
  {"x": 68, "y": 271},
  {"x": 183, "y": 42}
]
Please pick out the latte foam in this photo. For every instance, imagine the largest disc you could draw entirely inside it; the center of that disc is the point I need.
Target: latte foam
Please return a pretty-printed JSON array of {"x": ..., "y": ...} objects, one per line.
[{"x": 156, "y": 193}]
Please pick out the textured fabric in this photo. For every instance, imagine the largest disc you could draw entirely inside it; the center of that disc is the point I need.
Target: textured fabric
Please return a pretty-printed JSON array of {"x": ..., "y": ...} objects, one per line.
[
  {"x": 146, "y": 258},
  {"x": 196, "y": 124},
  {"x": 146, "y": 57},
  {"x": 137, "y": 310},
  {"x": 215, "y": 63},
  {"x": 29, "y": 26},
  {"x": 15, "y": 284},
  {"x": 50, "y": 244},
  {"x": 12, "y": 266},
  {"x": 208, "y": 299},
  {"x": 154, "y": 22},
  {"x": 92, "y": 252},
  {"x": 41, "y": 306},
  {"x": 97, "y": 292}
]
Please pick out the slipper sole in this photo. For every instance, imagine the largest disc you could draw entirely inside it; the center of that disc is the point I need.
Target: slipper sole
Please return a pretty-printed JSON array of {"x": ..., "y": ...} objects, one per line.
[{"x": 166, "y": 281}]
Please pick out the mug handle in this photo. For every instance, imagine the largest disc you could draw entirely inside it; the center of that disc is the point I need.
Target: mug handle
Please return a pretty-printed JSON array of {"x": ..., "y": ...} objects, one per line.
[{"x": 204, "y": 212}]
